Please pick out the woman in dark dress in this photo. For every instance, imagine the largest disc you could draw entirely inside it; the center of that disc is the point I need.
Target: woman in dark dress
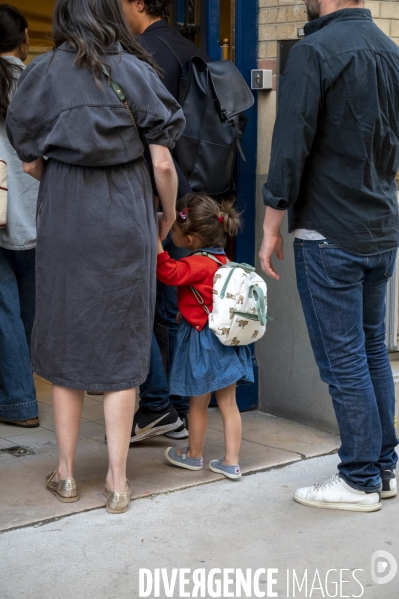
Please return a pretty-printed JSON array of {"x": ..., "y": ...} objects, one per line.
[{"x": 96, "y": 225}]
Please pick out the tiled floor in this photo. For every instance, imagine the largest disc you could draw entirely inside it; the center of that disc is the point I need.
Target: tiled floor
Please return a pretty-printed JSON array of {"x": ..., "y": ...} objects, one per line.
[{"x": 267, "y": 442}]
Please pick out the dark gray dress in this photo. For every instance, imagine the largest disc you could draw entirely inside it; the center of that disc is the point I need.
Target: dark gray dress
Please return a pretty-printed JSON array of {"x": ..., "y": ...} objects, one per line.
[{"x": 96, "y": 227}]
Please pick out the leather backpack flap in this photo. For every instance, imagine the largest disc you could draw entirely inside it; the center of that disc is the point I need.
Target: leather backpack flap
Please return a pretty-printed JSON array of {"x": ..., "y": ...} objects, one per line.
[
  {"x": 212, "y": 96},
  {"x": 232, "y": 93}
]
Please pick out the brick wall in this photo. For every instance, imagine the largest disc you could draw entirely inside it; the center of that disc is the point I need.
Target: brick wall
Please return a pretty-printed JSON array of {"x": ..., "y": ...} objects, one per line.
[{"x": 280, "y": 19}]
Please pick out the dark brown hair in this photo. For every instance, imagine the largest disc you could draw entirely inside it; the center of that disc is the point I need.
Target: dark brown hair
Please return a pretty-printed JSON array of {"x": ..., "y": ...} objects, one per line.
[
  {"x": 157, "y": 8},
  {"x": 91, "y": 26},
  {"x": 211, "y": 221},
  {"x": 12, "y": 33}
]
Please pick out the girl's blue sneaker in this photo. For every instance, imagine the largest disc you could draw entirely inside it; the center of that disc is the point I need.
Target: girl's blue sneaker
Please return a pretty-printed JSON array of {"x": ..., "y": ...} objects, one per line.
[
  {"x": 183, "y": 460},
  {"x": 233, "y": 472}
]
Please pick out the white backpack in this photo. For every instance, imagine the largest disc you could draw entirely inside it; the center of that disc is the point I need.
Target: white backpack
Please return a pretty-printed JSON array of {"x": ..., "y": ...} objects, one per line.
[{"x": 239, "y": 309}]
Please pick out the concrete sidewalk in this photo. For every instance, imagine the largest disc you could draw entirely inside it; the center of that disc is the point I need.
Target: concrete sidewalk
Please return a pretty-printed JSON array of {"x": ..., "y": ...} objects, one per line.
[
  {"x": 252, "y": 523},
  {"x": 267, "y": 442}
]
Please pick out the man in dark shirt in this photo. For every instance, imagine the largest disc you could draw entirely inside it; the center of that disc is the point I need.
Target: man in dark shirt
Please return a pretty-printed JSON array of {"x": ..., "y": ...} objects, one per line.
[
  {"x": 158, "y": 412},
  {"x": 335, "y": 155}
]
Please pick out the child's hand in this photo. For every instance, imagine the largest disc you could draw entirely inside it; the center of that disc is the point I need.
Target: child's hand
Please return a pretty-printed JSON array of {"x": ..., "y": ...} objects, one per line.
[
  {"x": 178, "y": 317},
  {"x": 159, "y": 248}
]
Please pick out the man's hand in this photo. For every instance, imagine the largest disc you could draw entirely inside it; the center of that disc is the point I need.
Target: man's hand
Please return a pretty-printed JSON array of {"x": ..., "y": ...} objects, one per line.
[
  {"x": 272, "y": 241},
  {"x": 271, "y": 244},
  {"x": 164, "y": 225}
]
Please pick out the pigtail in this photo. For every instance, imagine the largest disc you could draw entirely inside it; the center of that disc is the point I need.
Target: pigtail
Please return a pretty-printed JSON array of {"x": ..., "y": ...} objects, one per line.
[
  {"x": 211, "y": 221},
  {"x": 232, "y": 222}
]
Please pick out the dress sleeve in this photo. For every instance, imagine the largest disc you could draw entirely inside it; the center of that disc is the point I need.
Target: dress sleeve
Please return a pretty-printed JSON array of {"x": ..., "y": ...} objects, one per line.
[
  {"x": 31, "y": 104},
  {"x": 22, "y": 140},
  {"x": 156, "y": 111}
]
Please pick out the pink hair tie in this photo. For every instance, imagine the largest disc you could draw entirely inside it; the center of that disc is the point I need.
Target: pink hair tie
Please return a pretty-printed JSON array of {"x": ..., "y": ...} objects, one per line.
[
  {"x": 184, "y": 213},
  {"x": 221, "y": 219}
]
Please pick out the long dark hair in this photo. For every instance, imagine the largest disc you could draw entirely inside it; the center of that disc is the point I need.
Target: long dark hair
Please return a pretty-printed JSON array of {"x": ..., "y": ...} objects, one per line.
[
  {"x": 89, "y": 27},
  {"x": 12, "y": 33}
]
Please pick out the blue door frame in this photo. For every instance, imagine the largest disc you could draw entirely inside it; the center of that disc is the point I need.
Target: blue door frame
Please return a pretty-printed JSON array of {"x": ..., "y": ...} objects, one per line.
[
  {"x": 246, "y": 45},
  {"x": 246, "y": 58}
]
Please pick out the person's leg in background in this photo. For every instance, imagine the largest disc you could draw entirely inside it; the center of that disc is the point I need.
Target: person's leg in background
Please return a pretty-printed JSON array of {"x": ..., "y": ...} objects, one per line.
[
  {"x": 166, "y": 310},
  {"x": 159, "y": 413},
  {"x": 24, "y": 268},
  {"x": 374, "y": 309},
  {"x": 155, "y": 416},
  {"x": 330, "y": 284},
  {"x": 18, "y": 404}
]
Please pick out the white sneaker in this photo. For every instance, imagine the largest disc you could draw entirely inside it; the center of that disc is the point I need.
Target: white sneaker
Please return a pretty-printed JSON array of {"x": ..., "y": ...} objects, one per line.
[
  {"x": 389, "y": 484},
  {"x": 336, "y": 494}
]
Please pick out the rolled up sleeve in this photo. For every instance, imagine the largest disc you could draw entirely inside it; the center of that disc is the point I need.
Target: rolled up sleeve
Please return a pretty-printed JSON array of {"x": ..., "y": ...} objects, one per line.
[{"x": 157, "y": 112}]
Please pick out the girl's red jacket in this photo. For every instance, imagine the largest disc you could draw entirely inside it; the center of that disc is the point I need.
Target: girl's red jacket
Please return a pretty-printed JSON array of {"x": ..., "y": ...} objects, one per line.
[{"x": 197, "y": 271}]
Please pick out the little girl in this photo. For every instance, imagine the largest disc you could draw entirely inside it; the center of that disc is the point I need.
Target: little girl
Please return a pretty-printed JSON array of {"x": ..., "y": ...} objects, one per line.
[{"x": 201, "y": 363}]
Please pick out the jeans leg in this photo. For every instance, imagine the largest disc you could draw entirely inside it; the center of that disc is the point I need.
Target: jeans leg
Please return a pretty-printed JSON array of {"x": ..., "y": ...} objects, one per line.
[
  {"x": 374, "y": 308},
  {"x": 166, "y": 310},
  {"x": 17, "y": 391},
  {"x": 24, "y": 268},
  {"x": 154, "y": 392},
  {"x": 330, "y": 284}
]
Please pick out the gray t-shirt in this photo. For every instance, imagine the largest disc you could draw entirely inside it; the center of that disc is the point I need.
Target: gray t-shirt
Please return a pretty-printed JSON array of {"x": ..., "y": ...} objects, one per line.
[{"x": 20, "y": 232}]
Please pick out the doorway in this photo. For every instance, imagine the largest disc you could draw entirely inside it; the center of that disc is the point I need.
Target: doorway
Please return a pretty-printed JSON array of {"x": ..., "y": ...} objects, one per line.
[{"x": 227, "y": 29}]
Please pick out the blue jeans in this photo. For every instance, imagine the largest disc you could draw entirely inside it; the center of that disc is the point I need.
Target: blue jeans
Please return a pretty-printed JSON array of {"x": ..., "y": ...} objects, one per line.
[
  {"x": 343, "y": 299},
  {"x": 154, "y": 392},
  {"x": 17, "y": 312}
]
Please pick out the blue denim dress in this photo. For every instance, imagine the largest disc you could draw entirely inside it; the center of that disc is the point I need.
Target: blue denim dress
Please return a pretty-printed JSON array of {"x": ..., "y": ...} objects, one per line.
[{"x": 201, "y": 364}]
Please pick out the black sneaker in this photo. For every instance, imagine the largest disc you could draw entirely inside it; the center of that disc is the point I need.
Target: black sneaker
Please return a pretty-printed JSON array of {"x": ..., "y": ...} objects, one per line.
[
  {"x": 389, "y": 485},
  {"x": 182, "y": 431},
  {"x": 148, "y": 423}
]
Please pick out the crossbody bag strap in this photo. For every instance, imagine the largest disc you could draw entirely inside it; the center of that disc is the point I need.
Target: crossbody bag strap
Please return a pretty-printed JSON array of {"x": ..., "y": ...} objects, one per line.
[{"x": 118, "y": 91}]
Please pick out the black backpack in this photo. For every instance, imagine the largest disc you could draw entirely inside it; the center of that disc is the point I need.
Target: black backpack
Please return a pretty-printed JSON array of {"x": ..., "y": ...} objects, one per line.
[{"x": 212, "y": 96}]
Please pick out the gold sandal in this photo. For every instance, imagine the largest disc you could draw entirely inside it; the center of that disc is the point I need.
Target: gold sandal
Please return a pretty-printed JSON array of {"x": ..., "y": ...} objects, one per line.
[
  {"x": 65, "y": 490},
  {"x": 117, "y": 502}
]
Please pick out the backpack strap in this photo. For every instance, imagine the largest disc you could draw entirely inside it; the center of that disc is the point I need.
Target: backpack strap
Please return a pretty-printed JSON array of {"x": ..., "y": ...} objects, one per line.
[
  {"x": 167, "y": 45},
  {"x": 199, "y": 299},
  {"x": 185, "y": 68},
  {"x": 196, "y": 293},
  {"x": 208, "y": 255}
]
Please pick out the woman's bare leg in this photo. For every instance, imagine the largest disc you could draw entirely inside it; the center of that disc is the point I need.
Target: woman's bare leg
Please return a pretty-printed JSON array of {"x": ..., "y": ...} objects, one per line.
[
  {"x": 68, "y": 405},
  {"x": 226, "y": 400},
  {"x": 118, "y": 411},
  {"x": 198, "y": 423}
]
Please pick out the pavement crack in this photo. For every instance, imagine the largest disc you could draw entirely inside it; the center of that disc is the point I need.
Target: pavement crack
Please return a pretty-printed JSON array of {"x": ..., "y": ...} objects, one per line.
[{"x": 164, "y": 557}]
